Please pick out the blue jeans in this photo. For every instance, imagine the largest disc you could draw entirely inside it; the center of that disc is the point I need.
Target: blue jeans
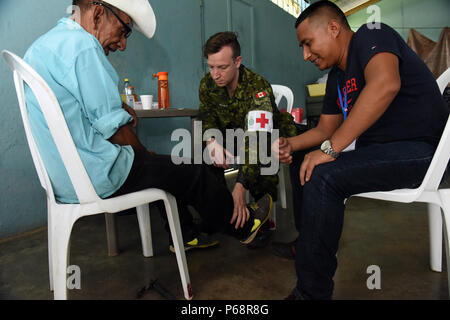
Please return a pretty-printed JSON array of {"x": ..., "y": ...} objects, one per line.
[{"x": 319, "y": 205}]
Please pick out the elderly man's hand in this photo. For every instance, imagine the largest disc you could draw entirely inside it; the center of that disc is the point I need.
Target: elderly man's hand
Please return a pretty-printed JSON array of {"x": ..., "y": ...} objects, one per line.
[
  {"x": 282, "y": 149},
  {"x": 132, "y": 113}
]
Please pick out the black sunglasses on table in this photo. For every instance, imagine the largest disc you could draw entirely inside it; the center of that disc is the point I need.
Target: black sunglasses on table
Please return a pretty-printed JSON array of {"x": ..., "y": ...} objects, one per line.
[{"x": 128, "y": 30}]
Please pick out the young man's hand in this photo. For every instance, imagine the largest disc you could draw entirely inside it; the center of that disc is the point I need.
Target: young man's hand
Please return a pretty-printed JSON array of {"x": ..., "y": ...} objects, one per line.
[
  {"x": 312, "y": 160},
  {"x": 282, "y": 149}
]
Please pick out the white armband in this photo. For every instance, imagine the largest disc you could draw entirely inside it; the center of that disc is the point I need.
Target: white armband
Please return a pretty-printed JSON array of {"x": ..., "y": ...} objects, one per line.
[{"x": 259, "y": 120}]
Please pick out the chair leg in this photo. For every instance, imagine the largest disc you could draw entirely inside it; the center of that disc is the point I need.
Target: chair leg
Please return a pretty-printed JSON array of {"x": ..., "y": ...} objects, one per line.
[
  {"x": 445, "y": 199},
  {"x": 49, "y": 241},
  {"x": 143, "y": 214},
  {"x": 111, "y": 234},
  {"x": 435, "y": 231},
  {"x": 177, "y": 237},
  {"x": 274, "y": 216},
  {"x": 282, "y": 188},
  {"x": 61, "y": 228}
]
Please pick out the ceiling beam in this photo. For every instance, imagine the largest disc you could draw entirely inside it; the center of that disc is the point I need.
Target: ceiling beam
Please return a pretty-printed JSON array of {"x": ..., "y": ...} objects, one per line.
[{"x": 360, "y": 7}]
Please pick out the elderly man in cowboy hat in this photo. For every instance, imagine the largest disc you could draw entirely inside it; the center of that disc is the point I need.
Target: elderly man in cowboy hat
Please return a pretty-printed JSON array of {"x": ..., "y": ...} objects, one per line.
[{"x": 72, "y": 58}]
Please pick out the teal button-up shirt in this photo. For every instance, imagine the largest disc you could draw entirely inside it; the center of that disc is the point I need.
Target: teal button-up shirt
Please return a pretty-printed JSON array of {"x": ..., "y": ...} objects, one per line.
[{"x": 74, "y": 65}]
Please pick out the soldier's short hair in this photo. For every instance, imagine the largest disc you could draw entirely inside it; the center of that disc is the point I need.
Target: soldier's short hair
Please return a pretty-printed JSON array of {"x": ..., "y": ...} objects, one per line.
[
  {"x": 322, "y": 7},
  {"x": 216, "y": 42}
]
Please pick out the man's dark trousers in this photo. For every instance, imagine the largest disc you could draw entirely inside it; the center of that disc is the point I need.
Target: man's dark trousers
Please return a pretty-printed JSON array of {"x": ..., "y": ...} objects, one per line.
[
  {"x": 191, "y": 185},
  {"x": 319, "y": 205}
]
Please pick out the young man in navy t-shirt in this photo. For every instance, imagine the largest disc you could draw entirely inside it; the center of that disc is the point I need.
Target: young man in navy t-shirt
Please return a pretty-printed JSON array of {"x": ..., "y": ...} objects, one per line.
[{"x": 379, "y": 93}]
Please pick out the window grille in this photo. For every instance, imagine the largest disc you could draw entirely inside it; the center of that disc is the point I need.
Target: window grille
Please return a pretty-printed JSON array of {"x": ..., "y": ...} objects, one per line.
[{"x": 293, "y": 7}]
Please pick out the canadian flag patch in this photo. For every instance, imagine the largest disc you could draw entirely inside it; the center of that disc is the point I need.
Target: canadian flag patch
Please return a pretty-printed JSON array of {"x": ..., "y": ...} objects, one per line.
[
  {"x": 259, "y": 120},
  {"x": 261, "y": 94}
]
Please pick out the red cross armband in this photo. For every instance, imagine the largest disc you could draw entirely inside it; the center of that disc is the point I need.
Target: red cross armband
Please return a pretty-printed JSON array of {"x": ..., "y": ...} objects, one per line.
[{"x": 259, "y": 120}]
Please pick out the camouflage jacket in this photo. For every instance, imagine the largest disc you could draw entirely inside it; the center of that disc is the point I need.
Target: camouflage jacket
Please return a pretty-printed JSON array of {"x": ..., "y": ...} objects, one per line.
[{"x": 219, "y": 111}]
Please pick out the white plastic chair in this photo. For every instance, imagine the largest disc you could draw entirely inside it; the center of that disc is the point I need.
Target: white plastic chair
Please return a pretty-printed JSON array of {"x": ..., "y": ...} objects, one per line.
[
  {"x": 61, "y": 217},
  {"x": 279, "y": 92},
  {"x": 430, "y": 193}
]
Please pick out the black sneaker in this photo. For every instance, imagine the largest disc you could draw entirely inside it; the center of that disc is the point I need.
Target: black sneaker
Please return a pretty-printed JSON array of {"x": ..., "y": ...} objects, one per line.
[
  {"x": 262, "y": 239},
  {"x": 201, "y": 242},
  {"x": 284, "y": 250},
  {"x": 261, "y": 213}
]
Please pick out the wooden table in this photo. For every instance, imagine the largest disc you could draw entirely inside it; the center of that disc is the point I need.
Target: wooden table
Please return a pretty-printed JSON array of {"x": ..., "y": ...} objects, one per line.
[
  {"x": 171, "y": 113},
  {"x": 167, "y": 113}
]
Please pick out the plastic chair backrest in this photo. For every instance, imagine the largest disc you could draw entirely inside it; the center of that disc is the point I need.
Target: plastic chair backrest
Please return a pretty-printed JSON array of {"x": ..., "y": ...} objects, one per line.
[
  {"x": 441, "y": 156},
  {"x": 279, "y": 92},
  {"x": 38, "y": 163},
  {"x": 58, "y": 129},
  {"x": 443, "y": 80}
]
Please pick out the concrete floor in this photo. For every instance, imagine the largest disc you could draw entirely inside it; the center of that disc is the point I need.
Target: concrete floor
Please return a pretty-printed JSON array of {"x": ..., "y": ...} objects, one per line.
[{"x": 390, "y": 235}]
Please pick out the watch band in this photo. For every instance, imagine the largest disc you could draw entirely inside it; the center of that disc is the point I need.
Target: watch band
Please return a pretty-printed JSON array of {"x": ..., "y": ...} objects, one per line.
[{"x": 328, "y": 149}]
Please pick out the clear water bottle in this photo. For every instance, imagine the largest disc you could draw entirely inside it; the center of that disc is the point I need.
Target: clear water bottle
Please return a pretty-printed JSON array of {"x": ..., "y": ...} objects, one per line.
[
  {"x": 126, "y": 84},
  {"x": 130, "y": 96}
]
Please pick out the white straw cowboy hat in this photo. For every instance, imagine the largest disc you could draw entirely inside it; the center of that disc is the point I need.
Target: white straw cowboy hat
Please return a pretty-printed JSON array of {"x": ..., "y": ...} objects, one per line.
[{"x": 141, "y": 12}]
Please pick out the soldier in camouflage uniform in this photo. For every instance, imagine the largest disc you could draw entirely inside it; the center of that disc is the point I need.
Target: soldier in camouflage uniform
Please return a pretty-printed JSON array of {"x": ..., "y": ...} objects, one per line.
[
  {"x": 219, "y": 111},
  {"x": 227, "y": 94}
]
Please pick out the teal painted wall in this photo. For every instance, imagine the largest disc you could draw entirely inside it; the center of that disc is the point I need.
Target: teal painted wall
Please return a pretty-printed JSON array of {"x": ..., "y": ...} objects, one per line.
[
  {"x": 176, "y": 48},
  {"x": 427, "y": 17},
  {"x": 22, "y": 200}
]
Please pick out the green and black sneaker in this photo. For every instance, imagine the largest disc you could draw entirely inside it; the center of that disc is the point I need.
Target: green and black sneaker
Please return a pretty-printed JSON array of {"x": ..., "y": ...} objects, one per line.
[
  {"x": 201, "y": 242},
  {"x": 261, "y": 213}
]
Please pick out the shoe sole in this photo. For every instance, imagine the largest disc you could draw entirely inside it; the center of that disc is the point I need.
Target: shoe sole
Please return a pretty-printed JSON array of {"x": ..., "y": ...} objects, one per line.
[
  {"x": 253, "y": 235},
  {"x": 204, "y": 246}
]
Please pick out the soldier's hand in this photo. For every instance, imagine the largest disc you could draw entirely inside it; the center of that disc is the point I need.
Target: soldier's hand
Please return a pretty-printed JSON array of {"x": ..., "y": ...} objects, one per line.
[
  {"x": 240, "y": 213},
  {"x": 282, "y": 149},
  {"x": 219, "y": 155}
]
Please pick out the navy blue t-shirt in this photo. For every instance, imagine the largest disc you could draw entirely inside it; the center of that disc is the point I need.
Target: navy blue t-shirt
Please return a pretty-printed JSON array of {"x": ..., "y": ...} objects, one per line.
[{"x": 418, "y": 112}]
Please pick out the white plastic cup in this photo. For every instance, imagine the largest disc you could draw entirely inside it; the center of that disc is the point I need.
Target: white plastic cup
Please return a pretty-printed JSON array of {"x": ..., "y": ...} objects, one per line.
[{"x": 147, "y": 102}]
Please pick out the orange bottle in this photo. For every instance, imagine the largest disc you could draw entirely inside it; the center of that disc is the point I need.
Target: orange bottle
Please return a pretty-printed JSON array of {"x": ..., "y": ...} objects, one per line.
[{"x": 163, "y": 90}]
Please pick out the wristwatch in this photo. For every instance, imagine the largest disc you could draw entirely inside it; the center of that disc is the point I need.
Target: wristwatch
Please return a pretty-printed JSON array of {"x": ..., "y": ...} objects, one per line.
[{"x": 326, "y": 148}]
